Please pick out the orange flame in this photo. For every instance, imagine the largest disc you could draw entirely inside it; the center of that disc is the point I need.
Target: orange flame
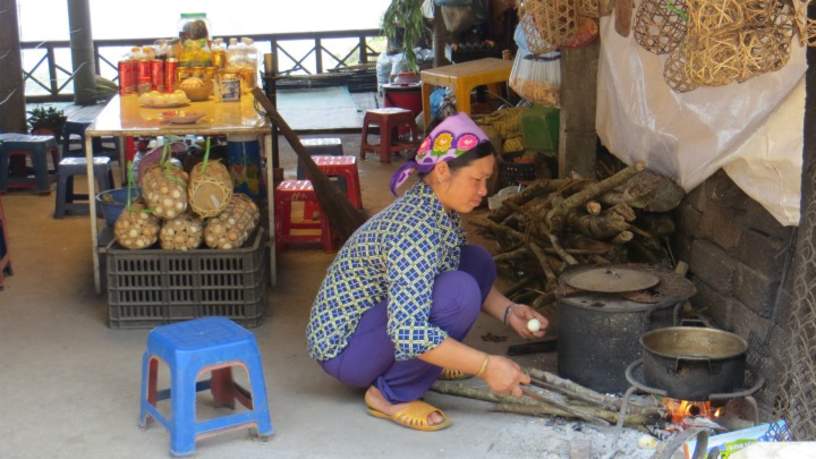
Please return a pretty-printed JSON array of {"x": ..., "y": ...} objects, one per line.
[{"x": 681, "y": 409}]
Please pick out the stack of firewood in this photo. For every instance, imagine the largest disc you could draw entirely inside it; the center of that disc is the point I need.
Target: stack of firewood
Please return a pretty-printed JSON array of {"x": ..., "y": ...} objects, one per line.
[
  {"x": 551, "y": 395},
  {"x": 555, "y": 223}
]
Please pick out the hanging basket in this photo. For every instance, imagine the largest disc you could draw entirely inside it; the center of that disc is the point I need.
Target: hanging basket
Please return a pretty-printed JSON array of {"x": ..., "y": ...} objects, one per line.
[
  {"x": 210, "y": 188},
  {"x": 555, "y": 20},
  {"x": 589, "y": 8},
  {"x": 712, "y": 17},
  {"x": 675, "y": 74},
  {"x": 660, "y": 25}
]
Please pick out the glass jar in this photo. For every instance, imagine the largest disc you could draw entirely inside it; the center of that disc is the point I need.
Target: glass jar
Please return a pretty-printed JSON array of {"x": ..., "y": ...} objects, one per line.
[{"x": 194, "y": 26}]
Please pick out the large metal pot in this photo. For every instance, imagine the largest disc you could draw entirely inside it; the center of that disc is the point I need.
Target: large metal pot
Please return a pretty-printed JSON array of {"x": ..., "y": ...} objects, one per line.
[
  {"x": 598, "y": 338},
  {"x": 691, "y": 363},
  {"x": 599, "y": 332}
]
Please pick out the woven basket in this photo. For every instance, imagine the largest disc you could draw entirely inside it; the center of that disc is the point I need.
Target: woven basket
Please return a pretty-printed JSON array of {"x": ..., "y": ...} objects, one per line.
[
  {"x": 765, "y": 50},
  {"x": 712, "y": 17},
  {"x": 660, "y": 25},
  {"x": 210, "y": 189},
  {"x": 589, "y": 8},
  {"x": 555, "y": 20},
  {"x": 716, "y": 60},
  {"x": 675, "y": 74}
]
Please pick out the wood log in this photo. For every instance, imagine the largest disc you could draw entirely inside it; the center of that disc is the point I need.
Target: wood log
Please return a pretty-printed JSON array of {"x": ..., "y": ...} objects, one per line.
[
  {"x": 622, "y": 238},
  {"x": 648, "y": 191},
  {"x": 578, "y": 392},
  {"x": 631, "y": 420},
  {"x": 593, "y": 207},
  {"x": 537, "y": 189},
  {"x": 598, "y": 226},
  {"x": 555, "y": 216},
  {"x": 624, "y": 210},
  {"x": 560, "y": 402}
]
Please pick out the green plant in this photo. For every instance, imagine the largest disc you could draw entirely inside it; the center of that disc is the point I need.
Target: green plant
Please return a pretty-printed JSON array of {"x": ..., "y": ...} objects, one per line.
[
  {"x": 405, "y": 16},
  {"x": 50, "y": 118}
]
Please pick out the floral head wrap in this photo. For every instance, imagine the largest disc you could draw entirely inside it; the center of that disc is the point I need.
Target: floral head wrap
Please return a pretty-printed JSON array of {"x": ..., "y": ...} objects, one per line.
[{"x": 452, "y": 138}]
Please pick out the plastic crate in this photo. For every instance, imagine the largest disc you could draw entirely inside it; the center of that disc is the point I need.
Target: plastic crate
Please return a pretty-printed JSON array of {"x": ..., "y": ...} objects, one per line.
[{"x": 153, "y": 286}]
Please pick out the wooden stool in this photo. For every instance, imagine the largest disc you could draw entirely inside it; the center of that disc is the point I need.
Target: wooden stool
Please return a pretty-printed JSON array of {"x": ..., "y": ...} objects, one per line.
[
  {"x": 5, "y": 258},
  {"x": 36, "y": 146},
  {"x": 389, "y": 120},
  {"x": 298, "y": 190}
]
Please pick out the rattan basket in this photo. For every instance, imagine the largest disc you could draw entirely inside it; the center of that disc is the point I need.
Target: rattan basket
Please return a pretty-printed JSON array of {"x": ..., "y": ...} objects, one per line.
[{"x": 660, "y": 25}]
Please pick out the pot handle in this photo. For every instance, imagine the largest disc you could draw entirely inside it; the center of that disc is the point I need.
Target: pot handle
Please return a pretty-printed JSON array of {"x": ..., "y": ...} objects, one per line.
[{"x": 678, "y": 321}]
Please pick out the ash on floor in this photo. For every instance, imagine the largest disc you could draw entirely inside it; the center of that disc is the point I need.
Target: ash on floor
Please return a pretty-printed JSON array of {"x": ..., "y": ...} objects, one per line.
[{"x": 557, "y": 438}]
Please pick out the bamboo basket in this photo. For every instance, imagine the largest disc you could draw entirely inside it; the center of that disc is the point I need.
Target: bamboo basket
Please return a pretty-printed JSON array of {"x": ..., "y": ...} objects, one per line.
[
  {"x": 210, "y": 188},
  {"x": 716, "y": 60},
  {"x": 675, "y": 74},
  {"x": 231, "y": 228},
  {"x": 555, "y": 20},
  {"x": 589, "y": 8},
  {"x": 660, "y": 25},
  {"x": 136, "y": 228},
  {"x": 712, "y": 17},
  {"x": 164, "y": 188}
]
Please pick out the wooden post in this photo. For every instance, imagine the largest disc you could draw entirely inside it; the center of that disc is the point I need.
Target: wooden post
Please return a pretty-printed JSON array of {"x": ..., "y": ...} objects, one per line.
[
  {"x": 439, "y": 34},
  {"x": 82, "y": 52},
  {"x": 579, "y": 83},
  {"x": 12, "y": 90}
]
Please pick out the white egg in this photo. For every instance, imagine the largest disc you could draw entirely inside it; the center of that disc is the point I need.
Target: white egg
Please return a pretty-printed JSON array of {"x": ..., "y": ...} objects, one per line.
[{"x": 533, "y": 325}]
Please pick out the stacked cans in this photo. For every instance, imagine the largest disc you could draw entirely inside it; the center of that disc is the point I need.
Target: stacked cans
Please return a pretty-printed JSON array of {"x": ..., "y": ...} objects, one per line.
[{"x": 143, "y": 75}]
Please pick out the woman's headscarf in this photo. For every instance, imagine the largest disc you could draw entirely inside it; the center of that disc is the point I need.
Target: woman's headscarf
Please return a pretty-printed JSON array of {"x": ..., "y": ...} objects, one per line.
[{"x": 452, "y": 138}]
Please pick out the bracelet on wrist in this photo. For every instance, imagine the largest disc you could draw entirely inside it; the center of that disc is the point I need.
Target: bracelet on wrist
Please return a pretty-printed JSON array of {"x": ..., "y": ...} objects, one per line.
[
  {"x": 483, "y": 368},
  {"x": 507, "y": 312}
]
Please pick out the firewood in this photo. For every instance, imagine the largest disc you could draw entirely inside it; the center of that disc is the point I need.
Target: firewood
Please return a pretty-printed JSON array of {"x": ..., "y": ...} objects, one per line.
[
  {"x": 623, "y": 237},
  {"x": 648, "y": 191},
  {"x": 593, "y": 207},
  {"x": 555, "y": 217},
  {"x": 598, "y": 226},
  {"x": 538, "y": 188},
  {"x": 624, "y": 210},
  {"x": 578, "y": 392}
]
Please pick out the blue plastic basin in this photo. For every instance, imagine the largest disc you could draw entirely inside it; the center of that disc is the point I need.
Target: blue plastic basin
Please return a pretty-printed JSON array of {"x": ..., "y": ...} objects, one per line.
[{"x": 112, "y": 202}]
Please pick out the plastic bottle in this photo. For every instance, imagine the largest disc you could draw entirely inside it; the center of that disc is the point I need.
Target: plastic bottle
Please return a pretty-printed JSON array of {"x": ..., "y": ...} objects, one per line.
[
  {"x": 250, "y": 63},
  {"x": 219, "y": 53}
]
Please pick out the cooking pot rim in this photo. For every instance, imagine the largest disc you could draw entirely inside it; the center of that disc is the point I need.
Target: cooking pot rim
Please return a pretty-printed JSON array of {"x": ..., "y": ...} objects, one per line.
[{"x": 743, "y": 343}]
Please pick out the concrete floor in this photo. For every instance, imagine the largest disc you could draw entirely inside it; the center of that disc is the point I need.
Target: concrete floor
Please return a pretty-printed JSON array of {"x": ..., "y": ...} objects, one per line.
[{"x": 70, "y": 385}]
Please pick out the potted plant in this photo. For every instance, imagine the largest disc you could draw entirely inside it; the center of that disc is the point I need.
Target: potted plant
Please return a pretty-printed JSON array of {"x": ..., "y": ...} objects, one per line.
[
  {"x": 404, "y": 26},
  {"x": 46, "y": 121}
]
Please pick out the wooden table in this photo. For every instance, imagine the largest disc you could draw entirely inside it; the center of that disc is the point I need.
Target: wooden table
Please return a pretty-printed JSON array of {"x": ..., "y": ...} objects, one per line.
[
  {"x": 123, "y": 117},
  {"x": 462, "y": 79}
]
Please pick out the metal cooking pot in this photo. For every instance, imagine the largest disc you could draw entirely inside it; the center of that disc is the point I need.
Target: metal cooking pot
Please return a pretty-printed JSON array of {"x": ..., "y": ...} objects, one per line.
[{"x": 692, "y": 363}]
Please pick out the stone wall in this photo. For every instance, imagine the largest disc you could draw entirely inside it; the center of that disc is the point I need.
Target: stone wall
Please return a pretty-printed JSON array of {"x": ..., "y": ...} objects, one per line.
[{"x": 738, "y": 256}]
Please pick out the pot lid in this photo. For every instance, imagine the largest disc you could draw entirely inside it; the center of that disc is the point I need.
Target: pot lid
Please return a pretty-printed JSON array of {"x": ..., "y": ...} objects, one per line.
[{"x": 611, "y": 279}]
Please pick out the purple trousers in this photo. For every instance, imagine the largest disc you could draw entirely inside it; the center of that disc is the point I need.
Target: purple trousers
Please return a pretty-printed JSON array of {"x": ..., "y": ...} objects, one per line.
[{"x": 369, "y": 356}]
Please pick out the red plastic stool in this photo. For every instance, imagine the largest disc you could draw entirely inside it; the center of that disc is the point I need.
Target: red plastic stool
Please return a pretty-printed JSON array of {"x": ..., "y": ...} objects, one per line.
[
  {"x": 5, "y": 258},
  {"x": 298, "y": 190},
  {"x": 389, "y": 120},
  {"x": 344, "y": 167}
]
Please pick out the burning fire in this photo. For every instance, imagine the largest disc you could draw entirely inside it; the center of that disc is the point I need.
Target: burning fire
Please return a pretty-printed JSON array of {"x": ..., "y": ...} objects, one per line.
[{"x": 679, "y": 410}]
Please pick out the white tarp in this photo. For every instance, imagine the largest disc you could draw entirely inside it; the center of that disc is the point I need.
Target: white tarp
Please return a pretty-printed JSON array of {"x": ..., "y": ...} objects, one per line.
[{"x": 754, "y": 129}]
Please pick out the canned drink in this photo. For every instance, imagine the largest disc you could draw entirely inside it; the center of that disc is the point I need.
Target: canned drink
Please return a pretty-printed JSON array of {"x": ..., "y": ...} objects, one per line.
[
  {"x": 127, "y": 77},
  {"x": 170, "y": 74},
  {"x": 157, "y": 74},
  {"x": 143, "y": 73}
]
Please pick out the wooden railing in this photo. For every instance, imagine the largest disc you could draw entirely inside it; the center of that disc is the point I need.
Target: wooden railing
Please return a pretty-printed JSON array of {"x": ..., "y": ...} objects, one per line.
[{"x": 47, "y": 65}]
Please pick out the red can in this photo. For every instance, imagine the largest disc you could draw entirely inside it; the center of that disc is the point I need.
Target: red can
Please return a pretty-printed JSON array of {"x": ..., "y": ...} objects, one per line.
[
  {"x": 127, "y": 77},
  {"x": 170, "y": 74},
  {"x": 157, "y": 74},
  {"x": 143, "y": 73}
]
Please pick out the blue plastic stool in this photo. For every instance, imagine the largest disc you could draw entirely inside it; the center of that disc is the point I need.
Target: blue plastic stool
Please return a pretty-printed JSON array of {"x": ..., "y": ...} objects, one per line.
[{"x": 189, "y": 349}]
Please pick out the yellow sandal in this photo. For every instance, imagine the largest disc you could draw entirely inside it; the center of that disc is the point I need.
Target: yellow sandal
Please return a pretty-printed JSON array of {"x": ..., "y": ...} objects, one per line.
[
  {"x": 415, "y": 416},
  {"x": 449, "y": 374}
]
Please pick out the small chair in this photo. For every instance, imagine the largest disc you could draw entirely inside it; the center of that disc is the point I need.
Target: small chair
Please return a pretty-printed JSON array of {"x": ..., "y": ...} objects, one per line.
[
  {"x": 5, "y": 258},
  {"x": 190, "y": 349},
  {"x": 344, "y": 168},
  {"x": 299, "y": 190},
  {"x": 390, "y": 121},
  {"x": 331, "y": 146},
  {"x": 36, "y": 146},
  {"x": 78, "y": 128},
  {"x": 66, "y": 201}
]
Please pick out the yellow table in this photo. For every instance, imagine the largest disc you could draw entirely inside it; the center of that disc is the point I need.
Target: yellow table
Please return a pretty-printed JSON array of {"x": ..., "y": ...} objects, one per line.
[
  {"x": 462, "y": 79},
  {"x": 123, "y": 117}
]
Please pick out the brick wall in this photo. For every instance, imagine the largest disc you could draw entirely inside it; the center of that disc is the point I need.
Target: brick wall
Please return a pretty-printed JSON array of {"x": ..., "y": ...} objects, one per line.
[{"x": 738, "y": 255}]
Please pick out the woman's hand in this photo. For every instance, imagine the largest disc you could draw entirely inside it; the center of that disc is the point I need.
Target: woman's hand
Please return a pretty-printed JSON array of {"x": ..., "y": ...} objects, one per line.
[
  {"x": 504, "y": 376},
  {"x": 519, "y": 315}
]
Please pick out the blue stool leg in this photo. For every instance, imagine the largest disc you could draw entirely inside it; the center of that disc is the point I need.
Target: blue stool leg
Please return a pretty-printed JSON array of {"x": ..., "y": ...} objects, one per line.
[
  {"x": 4, "y": 169},
  {"x": 143, "y": 398},
  {"x": 40, "y": 163},
  {"x": 260, "y": 404},
  {"x": 63, "y": 195},
  {"x": 182, "y": 400}
]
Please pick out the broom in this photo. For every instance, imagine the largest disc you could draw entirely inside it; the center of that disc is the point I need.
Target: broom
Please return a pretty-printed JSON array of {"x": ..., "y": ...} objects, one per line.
[{"x": 343, "y": 216}]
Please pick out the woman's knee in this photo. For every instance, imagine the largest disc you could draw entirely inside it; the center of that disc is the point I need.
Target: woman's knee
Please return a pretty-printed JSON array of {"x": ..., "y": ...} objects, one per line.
[
  {"x": 456, "y": 298},
  {"x": 479, "y": 263}
]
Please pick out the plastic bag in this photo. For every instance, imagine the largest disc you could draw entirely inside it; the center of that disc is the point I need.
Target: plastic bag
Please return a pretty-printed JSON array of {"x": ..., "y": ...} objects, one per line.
[{"x": 537, "y": 78}]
